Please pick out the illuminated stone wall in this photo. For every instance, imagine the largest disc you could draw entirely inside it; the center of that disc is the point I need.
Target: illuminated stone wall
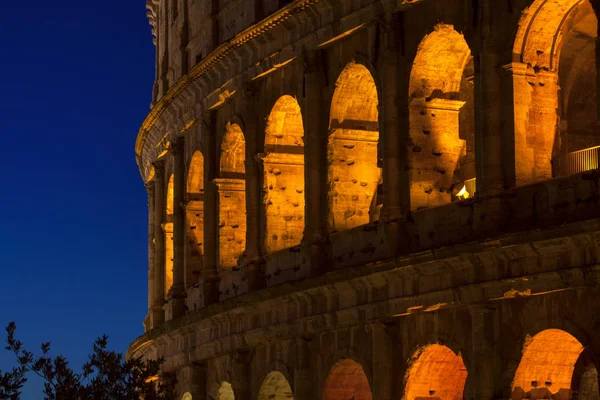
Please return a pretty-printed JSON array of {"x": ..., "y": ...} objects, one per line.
[{"x": 372, "y": 199}]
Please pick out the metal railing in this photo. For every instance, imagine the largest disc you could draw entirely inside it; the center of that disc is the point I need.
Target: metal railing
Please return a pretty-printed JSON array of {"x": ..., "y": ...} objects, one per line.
[{"x": 576, "y": 162}]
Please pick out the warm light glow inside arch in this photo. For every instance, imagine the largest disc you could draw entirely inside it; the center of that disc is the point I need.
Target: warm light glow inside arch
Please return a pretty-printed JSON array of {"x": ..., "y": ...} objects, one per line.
[
  {"x": 353, "y": 171},
  {"x": 547, "y": 366},
  {"x": 195, "y": 177},
  {"x": 170, "y": 195},
  {"x": 283, "y": 181},
  {"x": 347, "y": 381},
  {"x": 436, "y": 373},
  {"x": 231, "y": 185},
  {"x": 233, "y": 150},
  {"x": 441, "y": 127},
  {"x": 439, "y": 64},
  {"x": 225, "y": 392},
  {"x": 275, "y": 387}
]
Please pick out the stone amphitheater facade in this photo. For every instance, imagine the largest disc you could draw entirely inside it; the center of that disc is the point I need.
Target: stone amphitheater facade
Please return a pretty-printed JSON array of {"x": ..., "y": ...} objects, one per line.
[{"x": 373, "y": 199}]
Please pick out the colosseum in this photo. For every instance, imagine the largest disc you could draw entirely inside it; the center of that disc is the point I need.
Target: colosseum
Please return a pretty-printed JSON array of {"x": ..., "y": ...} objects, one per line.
[{"x": 374, "y": 199}]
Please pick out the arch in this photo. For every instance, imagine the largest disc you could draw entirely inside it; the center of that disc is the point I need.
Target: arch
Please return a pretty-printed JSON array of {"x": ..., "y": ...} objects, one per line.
[
  {"x": 194, "y": 219},
  {"x": 547, "y": 366},
  {"x": 233, "y": 150},
  {"x": 195, "y": 178},
  {"x": 186, "y": 396},
  {"x": 553, "y": 50},
  {"x": 283, "y": 163},
  {"x": 275, "y": 387},
  {"x": 225, "y": 392},
  {"x": 168, "y": 232},
  {"x": 170, "y": 196},
  {"x": 231, "y": 186},
  {"x": 436, "y": 372},
  {"x": 441, "y": 127},
  {"x": 353, "y": 171},
  {"x": 347, "y": 381}
]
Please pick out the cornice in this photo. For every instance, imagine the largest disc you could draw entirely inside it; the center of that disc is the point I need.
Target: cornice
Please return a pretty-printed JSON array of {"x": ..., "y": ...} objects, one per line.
[{"x": 201, "y": 68}]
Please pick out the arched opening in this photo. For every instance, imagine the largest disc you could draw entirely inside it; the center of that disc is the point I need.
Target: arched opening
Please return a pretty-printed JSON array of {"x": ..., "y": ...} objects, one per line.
[
  {"x": 547, "y": 366},
  {"x": 186, "y": 396},
  {"x": 224, "y": 392},
  {"x": 231, "y": 185},
  {"x": 284, "y": 176},
  {"x": 353, "y": 172},
  {"x": 442, "y": 121},
  {"x": 554, "y": 78},
  {"x": 168, "y": 230},
  {"x": 275, "y": 387},
  {"x": 195, "y": 219},
  {"x": 347, "y": 381},
  {"x": 436, "y": 372}
]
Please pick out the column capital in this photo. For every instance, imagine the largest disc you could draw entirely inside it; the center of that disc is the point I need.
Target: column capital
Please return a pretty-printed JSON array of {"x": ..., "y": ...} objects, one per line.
[
  {"x": 159, "y": 168},
  {"x": 177, "y": 146}
]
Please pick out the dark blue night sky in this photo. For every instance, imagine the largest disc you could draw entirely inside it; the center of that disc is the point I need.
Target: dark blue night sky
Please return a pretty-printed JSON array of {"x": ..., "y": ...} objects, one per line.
[{"x": 76, "y": 85}]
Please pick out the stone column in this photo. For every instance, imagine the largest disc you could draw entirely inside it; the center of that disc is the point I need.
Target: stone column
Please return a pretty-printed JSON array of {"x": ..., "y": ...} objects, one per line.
[
  {"x": 394, "y": 75},
  {"x": 483, "y": 363},
  {"x": 316, "y": 126},
  {"x": 209, "y": 274},
  {"x": 151, "y": 230},
  {"x": 303, "y": 387},
  {"x": 158, "y": 315},
  {"x": 178, "y": 289},
  {"x": 384, "y": 352},
  {"x": 241, "y": 375}
]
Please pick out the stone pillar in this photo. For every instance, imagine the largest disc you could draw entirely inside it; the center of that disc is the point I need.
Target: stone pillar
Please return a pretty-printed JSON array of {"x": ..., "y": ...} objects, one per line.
[
  {"x": 177, "y": 295},
  {"x": 483, "y": 363},
  {"x": 253, "y": 263},
  {"x": 394, "y": 75},
  {"x": 241, "y": 375},
  {"x": 151, "y": 230},
  {"x": 303, "y": 385},
  {"x": 384, "y": 352},
  {"x": 158, "y": 315},
  {"x": 209, "y": 274},
  {"x": 192, "y": 379},
  {"x": 316, "y": 126}
]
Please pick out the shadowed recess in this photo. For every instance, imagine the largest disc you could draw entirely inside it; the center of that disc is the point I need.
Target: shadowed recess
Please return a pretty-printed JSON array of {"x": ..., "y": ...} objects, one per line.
[{"x": 347, "y": 381}]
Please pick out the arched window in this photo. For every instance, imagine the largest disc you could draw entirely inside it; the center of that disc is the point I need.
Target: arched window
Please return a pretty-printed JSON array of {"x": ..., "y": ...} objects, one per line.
[
  {"x": 232, "y": 197},
  {"x": 354, "y": 175},
  {"x": 283, "y": 163},
  {"x": 168, "y": 230},
  {"x": 195, "y": 219},
  {"x": 547, "y": 366},
  {"x": 554, "y": 78},
  {"x": 275, "y": 387},
  {"x": 347, "y": 381},
  {"x": 436, "y": 372},
  {"x": 441, "y": 118}
]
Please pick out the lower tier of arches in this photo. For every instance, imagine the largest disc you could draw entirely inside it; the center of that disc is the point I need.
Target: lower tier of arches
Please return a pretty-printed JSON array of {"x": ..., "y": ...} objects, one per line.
[{"x": 513, "y": 318}]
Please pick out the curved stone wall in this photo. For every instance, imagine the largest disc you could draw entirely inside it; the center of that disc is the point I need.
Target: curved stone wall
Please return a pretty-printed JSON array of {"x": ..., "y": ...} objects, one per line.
[{"x": 368, "y": 200}]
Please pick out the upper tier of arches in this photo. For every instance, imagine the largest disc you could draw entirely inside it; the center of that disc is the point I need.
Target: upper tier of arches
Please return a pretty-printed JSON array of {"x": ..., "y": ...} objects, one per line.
[{"x": 339, "y": 139}]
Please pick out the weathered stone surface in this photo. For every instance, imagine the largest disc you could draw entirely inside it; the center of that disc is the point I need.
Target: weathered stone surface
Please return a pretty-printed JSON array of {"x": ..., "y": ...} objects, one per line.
[{"x": 383, "y": 199}]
